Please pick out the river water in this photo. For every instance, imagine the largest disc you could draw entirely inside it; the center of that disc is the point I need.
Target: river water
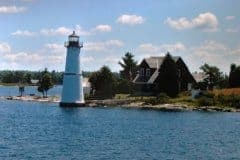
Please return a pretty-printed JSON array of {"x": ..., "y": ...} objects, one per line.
[{"x": 31, "y": 130}]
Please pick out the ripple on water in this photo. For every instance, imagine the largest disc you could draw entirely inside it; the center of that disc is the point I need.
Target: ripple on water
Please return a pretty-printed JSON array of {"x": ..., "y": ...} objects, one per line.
[{"x": 43, "y": 131}]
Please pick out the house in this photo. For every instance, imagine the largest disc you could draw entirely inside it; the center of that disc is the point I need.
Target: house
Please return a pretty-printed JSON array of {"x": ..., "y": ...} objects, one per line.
[
  {"x": 163, "y": 74},
  {"x": 200, "y": 79}
]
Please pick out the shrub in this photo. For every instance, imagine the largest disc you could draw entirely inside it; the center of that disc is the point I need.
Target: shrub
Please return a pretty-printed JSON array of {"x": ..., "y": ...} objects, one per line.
[
  {"x": 228, "y": 100},
  {"x": 205, "y": 101},
  {"x": 160, "y": 99}
]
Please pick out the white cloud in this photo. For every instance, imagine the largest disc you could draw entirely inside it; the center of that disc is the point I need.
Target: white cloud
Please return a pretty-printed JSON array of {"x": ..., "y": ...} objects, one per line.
[
  {"x": 64, "y": 31},
  {"x": 87, "y": 59},
  {"x": 150, "y": 49},
  {"x": 205, "y": 21},
  {"x": 213, "y": 53},
  {"x": 130, "y": 19},
  {"x": 230, "y": 17},
  {"x": 5, "y": 48},
  {"x": 32, "y": 61},
  {"x": 114, "y": 42},
  {"x": 11, "y": 9},
  {"x": 23, "y": 33},
  {"x": 55, "y": 48},
  {"x": 231, "y": 30},
  {"x": 102, "y": 46},
  {"x": 103, "y": 28}
]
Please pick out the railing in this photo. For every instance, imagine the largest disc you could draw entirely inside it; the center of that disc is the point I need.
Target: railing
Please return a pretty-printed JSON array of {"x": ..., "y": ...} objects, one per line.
[{"x": 77, "y": 44}]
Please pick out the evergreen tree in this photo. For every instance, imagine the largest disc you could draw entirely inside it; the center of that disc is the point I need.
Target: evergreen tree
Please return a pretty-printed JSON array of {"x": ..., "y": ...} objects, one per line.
[
  {"x": 103, "y": 83},
  {"x": 168, "y": 77},
  {"x": 234, "y": 76},
  {"x": 214, "y": 76},
  {"x": 129, "y": 66}
]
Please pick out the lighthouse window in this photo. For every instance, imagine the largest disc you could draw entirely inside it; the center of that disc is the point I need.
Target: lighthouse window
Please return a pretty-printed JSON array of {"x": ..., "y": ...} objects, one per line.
[{"x": 73, "y": 39}]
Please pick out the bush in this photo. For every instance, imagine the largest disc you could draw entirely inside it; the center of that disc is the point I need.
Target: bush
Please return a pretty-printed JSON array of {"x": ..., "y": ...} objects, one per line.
[
  {"x": 205, "y": 101},
  {"x": 229, "y": 100},
  {"x": 161, "y": 98}
]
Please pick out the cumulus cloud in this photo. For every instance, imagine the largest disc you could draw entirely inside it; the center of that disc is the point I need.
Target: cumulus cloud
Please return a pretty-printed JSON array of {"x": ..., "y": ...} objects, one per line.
[
  {"x": 150, "y": 49},
  {"x": 11, "y": 9},
  {"x": 63, "y": 31},
  {"x": 130, "y": 19},
  {"x": 55, "y": 48},
  {"x": 23, "y": 33},
  {"x": 103, "y": 28},
  {"x": 230, "y": 17},
  {"x": 87, "y": 59},
  {"x": 205, "y": 21},
  {"x": 213, "y": 53},
  {"x": 102, "y": 46},
  {"x": 5, "y": 47},
  {"x": 58, "y": 31}
]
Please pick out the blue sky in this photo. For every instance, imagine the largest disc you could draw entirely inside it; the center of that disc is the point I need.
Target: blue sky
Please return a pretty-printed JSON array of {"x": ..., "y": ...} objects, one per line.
[{"x": 200, "y": 31}]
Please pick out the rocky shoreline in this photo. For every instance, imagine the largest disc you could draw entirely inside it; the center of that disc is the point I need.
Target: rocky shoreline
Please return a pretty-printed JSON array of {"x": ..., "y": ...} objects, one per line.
[{"x": 126, "y": 103}]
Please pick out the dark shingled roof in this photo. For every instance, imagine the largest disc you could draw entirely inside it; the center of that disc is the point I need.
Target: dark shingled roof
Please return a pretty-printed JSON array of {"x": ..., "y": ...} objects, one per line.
[{"x": 156, "y": 62}]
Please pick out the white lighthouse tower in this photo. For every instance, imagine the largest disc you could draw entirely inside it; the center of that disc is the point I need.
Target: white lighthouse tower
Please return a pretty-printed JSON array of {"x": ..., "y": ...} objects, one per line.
[{"x": 72, "y": 92}]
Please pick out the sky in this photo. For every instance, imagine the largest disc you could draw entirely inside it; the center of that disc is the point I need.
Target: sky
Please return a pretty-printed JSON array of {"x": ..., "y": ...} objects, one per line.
[{"x": 33, "y": 32}]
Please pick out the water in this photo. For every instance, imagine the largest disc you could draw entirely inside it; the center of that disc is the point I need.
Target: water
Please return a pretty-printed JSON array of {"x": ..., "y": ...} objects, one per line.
[
  {"x": 45, "y": 131},
  {"x": 13, "y": 90}
]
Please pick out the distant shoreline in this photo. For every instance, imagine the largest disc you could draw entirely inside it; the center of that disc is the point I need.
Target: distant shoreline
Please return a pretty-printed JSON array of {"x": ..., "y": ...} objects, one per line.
[{"x": 125, "y": 103}]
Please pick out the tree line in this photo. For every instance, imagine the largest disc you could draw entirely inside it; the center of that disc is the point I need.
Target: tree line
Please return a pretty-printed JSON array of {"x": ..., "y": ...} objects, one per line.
[{"x": 25, "y": 77}]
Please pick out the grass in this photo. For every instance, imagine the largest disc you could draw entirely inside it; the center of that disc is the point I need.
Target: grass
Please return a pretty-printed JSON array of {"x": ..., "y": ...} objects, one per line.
[
  {"x": 228, "y": 91},
  {"x": 186, "y": 100},
  {"x": 224, "y": 98}
]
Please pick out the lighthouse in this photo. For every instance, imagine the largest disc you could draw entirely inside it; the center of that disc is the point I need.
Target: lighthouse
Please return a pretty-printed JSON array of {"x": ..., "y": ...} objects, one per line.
[{"x": 72, "y": 92}]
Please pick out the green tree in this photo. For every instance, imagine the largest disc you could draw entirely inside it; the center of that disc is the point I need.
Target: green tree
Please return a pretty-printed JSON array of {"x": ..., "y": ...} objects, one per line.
[
  {"x": 21, "y": 90},
  {"x": 45, "y": 83},
  {"x": 103, "y": 83},
  {"x": 27, "y": 78},
  {"x": 168, "y": 77},
  {"x": 234, "y": 76},
  {"x": 213, "y": 76},
  {"x": 129, "y": 66}
]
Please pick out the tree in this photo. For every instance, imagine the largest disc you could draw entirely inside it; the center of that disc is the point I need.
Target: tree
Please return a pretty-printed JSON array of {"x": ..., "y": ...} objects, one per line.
[
  {"x": 234, "y": 76},
  {"x": 168, "y": 77},
  {"x": 21, "y": 90},
  {"x": 129, "y": 66},
  {"x": 45, "y": 83},
  {"x": 103, "y": 83},
  {"x": 27, "y": 78},
  {"x": 213, "y": 76}
]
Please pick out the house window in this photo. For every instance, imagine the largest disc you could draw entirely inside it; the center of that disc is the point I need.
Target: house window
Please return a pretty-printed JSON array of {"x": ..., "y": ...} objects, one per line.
[
  {"x": 179, "y": 73},
  {"x": 147, "y": 72},
  {"x": 142, "y": 72}
]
